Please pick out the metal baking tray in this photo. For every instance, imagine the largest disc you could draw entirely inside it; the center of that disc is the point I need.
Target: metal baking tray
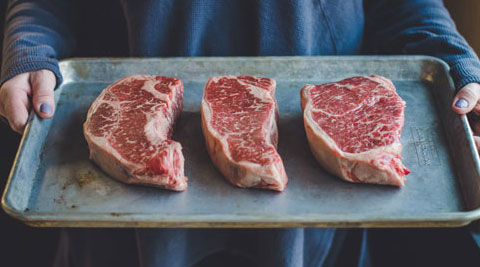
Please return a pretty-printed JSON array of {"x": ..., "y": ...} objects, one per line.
[{"x": 53, "y": 183}]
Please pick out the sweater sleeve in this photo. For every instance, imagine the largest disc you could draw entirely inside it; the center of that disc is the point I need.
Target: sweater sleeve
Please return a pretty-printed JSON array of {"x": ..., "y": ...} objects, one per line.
[
  {"x": 420, "y": 27},
  {"x": 36, "y": 35}
]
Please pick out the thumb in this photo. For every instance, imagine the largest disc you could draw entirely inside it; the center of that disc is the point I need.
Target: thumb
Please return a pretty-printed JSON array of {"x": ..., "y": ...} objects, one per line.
[
  {"x": 43, "y": 83},
  {"x": 467, "y": 98}
]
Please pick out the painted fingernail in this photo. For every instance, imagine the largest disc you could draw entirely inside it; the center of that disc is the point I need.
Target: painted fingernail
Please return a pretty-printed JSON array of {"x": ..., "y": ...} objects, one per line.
[
  {"x": 45, "y": 108},
  {"x": 461, "y": 103}
]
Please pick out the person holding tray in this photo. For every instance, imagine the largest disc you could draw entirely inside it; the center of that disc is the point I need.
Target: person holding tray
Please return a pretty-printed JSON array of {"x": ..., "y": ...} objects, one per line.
[{"x": 38, "y": 34}]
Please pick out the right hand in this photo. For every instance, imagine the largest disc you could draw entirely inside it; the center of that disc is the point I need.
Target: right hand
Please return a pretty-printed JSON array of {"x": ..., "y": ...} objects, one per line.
[
  {"x": 467, "y": 102},
  {"x": 18, "y": 94}
]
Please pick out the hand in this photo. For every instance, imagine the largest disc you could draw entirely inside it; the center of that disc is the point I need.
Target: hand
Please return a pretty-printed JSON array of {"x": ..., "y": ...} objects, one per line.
[
  {"x": 467, "y": 100},
  {"x": 16, "y": 93}
]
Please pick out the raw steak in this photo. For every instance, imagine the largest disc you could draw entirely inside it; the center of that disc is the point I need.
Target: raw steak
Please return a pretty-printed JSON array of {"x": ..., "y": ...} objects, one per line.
[
  {"x": 353, "y": 127},
  {"x": 239, "y": 122},
  {"x": 128, "y": 129}
]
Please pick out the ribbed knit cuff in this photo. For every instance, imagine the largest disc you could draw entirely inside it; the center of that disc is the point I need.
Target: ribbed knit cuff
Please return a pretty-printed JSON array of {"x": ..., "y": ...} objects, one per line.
[
  {"x": 465, "y": 71},
  {"x": 12, "y": 68}
]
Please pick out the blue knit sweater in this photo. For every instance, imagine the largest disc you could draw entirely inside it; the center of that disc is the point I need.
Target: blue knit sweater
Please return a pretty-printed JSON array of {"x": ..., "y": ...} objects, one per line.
[{"x": 38, "y": 34}]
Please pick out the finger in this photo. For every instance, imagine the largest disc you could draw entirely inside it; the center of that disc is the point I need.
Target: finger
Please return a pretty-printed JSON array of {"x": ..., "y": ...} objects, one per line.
[
  {"x": 14, "y": 101},
  {"x": 467, "y": 98},
  {"x": 43, "y": 83},
  {"x": 17, "y": 83},
  {"x": 17, "y": 109}
]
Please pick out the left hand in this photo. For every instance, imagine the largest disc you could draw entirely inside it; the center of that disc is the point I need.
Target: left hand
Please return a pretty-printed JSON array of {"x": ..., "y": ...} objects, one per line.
[
  {"x": 15, "y": 95},
  {"x": 466, "y": 101}
]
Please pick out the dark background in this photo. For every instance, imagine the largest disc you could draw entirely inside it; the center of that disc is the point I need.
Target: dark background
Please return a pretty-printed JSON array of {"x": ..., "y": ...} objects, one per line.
[{"x": 21, "y": 245}]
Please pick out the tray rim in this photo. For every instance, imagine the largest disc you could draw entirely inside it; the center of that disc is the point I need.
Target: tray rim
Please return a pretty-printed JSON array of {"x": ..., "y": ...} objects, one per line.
[{"x": 77, "y": 219}]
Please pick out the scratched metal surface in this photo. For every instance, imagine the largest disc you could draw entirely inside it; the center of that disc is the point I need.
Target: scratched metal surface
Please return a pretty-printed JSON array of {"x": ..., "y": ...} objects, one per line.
[{"x": 53, "y": 183}]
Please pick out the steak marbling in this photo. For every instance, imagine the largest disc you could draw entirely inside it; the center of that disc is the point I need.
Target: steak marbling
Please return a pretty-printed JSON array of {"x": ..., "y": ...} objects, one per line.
[{"x": 353, "y": 127}]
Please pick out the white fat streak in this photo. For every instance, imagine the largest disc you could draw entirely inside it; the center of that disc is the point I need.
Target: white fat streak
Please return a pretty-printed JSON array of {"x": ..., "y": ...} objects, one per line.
[
  {"x": 101, "y": 141},
  {"x": 269, "y": 125},
  {"x": 380, "y": 81},
  {"x": 257, "y": 91},
  {"x": 336, "y": 115},
  {"x": 216, "y": 79},
  {"x": 157, "y": 127},
  {"x": 149, "y": 86},
  {"x": 348, "y": 86},
  {"x": 269, "y": 171},
  {"x": 159, "y": 123},
  {"x": 385, "y": 84}
]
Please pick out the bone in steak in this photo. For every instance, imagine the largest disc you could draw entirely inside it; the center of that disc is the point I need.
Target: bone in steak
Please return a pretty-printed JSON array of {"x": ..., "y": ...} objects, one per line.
[
  {"x": 239, "y": 123},
  {"x": 353, "y": 127},
  {"x": 128, "y": 128}
]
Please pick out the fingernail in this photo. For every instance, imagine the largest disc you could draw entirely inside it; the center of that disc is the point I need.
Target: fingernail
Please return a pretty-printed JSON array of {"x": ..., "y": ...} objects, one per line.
[
  {"x": 45, "y": 108},
  {"x": 461, "y": 103}
]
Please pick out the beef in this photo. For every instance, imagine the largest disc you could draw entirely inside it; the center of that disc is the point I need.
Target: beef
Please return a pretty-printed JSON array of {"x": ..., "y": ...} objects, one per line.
[
  {"x": 128, "y": 128},
  {"x": 353, "y": 127},
  {"x": 239, "y": 123}
]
